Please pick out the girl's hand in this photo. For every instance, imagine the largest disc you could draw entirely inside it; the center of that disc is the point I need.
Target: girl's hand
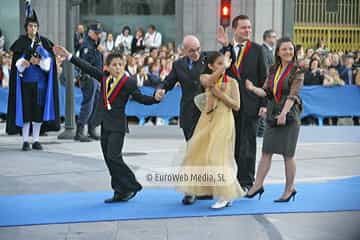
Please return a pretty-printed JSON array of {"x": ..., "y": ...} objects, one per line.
[
  {"x": 227, "y": 59},
  {"x": 216, "y": 91}
]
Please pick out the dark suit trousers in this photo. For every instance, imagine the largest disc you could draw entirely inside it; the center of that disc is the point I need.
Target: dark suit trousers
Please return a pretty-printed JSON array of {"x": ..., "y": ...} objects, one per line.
[
  {"x": 188, "y": 132},
  {"x": 123, "y": 179},
  {"x": 245, "y": 147}
]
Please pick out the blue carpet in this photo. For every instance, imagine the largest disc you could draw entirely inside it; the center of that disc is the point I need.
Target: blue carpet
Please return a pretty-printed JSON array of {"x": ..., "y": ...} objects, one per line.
[{"x": 341, "y": 195}]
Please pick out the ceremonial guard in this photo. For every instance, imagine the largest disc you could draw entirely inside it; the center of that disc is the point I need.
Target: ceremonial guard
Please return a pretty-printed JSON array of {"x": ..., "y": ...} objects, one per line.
[{"x": 33, "y": 88}]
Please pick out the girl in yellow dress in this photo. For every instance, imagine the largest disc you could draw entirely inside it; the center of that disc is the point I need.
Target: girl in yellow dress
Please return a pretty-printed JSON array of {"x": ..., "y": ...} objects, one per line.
[{"x": 209, "y": 158}]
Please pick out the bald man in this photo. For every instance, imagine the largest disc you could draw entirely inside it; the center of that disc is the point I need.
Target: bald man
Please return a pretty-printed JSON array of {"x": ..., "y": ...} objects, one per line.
[{"x": 187, "y": 72}]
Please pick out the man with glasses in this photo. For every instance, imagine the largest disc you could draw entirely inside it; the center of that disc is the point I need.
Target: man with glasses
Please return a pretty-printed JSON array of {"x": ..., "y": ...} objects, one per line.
[{"x": 187, "y": 72}]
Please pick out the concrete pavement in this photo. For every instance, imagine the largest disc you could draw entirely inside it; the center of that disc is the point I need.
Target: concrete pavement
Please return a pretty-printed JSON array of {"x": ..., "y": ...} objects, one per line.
[{"x": 67, "y": 166}]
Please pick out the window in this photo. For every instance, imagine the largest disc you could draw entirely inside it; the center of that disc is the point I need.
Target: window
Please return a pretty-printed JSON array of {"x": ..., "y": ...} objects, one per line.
[{"x": 128, "y": 7}]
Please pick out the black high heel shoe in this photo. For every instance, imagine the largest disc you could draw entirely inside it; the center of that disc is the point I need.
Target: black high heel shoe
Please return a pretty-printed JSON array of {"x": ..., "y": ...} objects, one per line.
[
  {"x": 260, "y": 191},
  {"x": 292, "y": 195}
]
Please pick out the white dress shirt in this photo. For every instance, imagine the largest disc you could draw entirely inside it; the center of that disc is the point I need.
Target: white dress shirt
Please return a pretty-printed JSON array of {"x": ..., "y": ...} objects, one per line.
[{"x": 153, "y": 40}]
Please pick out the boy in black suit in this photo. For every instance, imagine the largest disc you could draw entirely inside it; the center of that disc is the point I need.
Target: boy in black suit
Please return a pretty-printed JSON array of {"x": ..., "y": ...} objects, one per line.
[{"x": 116, "y": 88}]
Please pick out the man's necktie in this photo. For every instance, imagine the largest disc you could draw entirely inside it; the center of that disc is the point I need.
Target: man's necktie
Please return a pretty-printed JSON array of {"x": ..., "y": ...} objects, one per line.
[
  {"x": 110, "y": 82},
  {"x": 350, "y": 76},
  {"x": 190, "y": 64},
  {"x": 240, "y": 46}
]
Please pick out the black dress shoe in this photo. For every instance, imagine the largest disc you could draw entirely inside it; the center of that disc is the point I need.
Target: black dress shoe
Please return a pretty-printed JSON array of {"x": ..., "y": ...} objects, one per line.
[
  {"x": 37, "y": 146},
  {"x": 82, "y": 138},
  {"x": 120, "y": 197},
  {"x": 26, "y": 146},
  {"x": 116, "y": 198},
  {"x": 189, "y": 199},
  {"x": 205, "y": 197},
  {"x": 127, "y": 196},
  {"x": 93, "y": 135}
]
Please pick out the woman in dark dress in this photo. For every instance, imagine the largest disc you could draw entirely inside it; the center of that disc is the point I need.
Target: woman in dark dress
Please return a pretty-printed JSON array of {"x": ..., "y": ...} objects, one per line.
[{"x": 283, "y": 117}]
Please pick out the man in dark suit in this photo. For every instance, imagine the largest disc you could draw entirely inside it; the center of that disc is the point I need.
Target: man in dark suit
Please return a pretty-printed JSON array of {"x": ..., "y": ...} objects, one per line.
[
  {"x": 247, "y": 64},
  {"x": 268, "y": 46},
  {"x": 116, "y": 89},
  {"x": 187, "y": 72}
]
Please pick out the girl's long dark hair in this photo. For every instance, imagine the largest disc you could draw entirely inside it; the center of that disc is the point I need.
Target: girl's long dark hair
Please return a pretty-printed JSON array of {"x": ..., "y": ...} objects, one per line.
[{"x": 211, "y": 59}]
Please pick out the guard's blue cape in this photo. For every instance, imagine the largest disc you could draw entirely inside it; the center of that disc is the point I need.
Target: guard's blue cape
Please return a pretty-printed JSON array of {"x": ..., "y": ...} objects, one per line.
[{"x": 49, "y": 108}]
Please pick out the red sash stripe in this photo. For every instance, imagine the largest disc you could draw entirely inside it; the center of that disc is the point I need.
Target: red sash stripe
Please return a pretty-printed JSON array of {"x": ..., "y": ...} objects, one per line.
[
  {"x": 116, "y": 91},
  {"x": 280, "y": 82},
  {"x": 103, "y": 90},
  {"x": 246, "y": 51},
  {"x": 225, "y": 78},
  {"x": 235, "y": 71},
  {"x": 118, "y": 88}
]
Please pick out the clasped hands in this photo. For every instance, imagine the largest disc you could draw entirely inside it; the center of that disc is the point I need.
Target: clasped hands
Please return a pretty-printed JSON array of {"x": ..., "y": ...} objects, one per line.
[{"x": 33, "y": 60}]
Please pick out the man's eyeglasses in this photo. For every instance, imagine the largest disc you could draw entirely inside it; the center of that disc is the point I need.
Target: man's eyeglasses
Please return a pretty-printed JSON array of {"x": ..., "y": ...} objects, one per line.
[{"x": 191, "y": 50}]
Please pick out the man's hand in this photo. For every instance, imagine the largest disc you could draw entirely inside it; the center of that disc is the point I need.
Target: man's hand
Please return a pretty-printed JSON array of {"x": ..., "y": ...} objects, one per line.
[
  {"x": 34, "y": 60},
  {"x": 160, "y": 93},
  {"x": 281, "y": 119},
  {"x": 262, "y": 112},
  {"x": 222, "y": 36},
  {"x": 25, "y": 63},
  {"x": 249, "y": 85},
  {"x": 61, "y": 51},
  {"x": 101, "y": 48}
]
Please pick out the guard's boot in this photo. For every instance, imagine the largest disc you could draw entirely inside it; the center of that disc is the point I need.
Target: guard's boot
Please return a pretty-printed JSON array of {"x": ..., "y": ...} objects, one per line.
[
  {"x": 92, "y": 133},
  {"x": 79, "y": 135}
]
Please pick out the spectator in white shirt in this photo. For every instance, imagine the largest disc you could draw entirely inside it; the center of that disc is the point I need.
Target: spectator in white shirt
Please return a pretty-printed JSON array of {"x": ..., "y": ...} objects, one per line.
[
  {"x": 109, "y": 43},
  {"x": 123, "y": 41},
  {"x": 152, "y": 38},
  {"x": 5, "y": 69},
  {"x": 131, "y": 66}
]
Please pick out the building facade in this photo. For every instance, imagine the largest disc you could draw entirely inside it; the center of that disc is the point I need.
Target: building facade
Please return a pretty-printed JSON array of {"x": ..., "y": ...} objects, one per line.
[
  {"x": 173, "y": 18},
  {"x": 336, "y": 21}
]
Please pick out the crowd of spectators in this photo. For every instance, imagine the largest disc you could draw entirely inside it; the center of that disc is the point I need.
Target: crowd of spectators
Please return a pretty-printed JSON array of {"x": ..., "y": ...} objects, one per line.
[
  {"x": 150, "y": 60},
  {"x": 326, "y": 68}
]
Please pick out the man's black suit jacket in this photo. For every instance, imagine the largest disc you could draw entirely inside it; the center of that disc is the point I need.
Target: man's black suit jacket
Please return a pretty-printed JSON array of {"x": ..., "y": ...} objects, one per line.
[
  {"x": 254, "y": 69},
  {"x": 190, "y": 85},
  {"x": 114, "y": 119}
]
